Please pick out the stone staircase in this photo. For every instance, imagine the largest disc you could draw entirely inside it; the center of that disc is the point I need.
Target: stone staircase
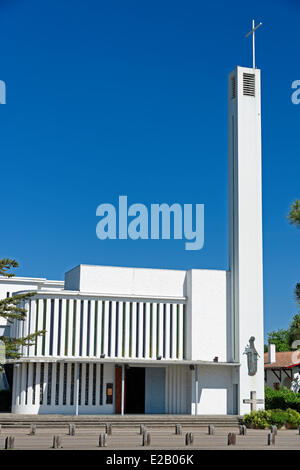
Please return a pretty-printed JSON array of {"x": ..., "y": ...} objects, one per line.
[{"x": 8, "y": 420}]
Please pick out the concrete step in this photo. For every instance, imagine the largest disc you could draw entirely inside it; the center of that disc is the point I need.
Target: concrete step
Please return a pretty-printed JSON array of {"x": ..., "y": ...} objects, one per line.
[{"x": 13, "y": 420}]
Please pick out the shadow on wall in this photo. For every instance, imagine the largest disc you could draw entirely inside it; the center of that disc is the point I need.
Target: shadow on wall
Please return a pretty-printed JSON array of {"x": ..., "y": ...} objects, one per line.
[
  {"x": 5, "y": 389},
  {"x": 5, "y": 401}
]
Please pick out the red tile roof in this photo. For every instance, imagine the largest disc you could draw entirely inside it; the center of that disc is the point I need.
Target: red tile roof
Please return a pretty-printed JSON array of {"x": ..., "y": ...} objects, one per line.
[{"x": 283, "y": 360}]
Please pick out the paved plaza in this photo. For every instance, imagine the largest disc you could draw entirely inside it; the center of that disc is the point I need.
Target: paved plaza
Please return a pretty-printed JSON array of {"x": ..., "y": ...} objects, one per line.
[{"x": 124, "y": 437}]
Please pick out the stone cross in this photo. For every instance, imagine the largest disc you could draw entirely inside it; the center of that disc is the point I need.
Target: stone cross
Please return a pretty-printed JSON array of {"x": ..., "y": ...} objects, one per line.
[{"x": 253, "y": 401}]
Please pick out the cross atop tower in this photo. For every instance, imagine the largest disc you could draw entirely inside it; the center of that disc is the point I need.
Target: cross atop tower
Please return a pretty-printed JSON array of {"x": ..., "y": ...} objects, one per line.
[{"x": 254, "y": 28}]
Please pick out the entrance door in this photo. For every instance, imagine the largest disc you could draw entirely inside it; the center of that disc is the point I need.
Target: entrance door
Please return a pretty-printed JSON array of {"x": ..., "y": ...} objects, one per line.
[
  {"x": 155, "y": 390},
  {"x": 135, "y": 390}
]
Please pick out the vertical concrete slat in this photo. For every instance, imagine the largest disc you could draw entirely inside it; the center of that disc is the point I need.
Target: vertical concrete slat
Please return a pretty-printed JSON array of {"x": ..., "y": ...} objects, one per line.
[
  {"x": 97, "y": 384},
  {"x": 91, "y": 339},
  {"x": 31, "y": 349},
  {"x": 55, "y": 328},
  {"x": 127, "y": 326},
  {"x": 47, "y": 335},
  {"x": 90, "y": 385},
  {"x": 37, "y": 384},
  {"x": 45, "y": 384},
  {"x": 83, "y": 381},
  {"x": 99, "y": 328},
  {"x": 106, "y": 315},
  {"x": 76, "y": 334},
  {"x": 133, "y": 330},
  {"x": 39, "y": 312},
  {"x": 30, "y": 384},
  {"x": 53, "y": 384},
  {"x": 113, "y": 329},
  {"x": 120, "y": 330},
  {"x": 61, "y": 384},
  {"x": 63, "y": 327},
  {"x": 147, "y": 331}
]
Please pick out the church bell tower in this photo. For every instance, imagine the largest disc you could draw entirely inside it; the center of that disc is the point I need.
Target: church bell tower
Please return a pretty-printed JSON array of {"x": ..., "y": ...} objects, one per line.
[{"x": 245, "y": 237}]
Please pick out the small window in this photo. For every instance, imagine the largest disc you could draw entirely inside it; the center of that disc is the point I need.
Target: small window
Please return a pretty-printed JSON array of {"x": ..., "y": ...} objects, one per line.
[{"x": 109, "y": 394}]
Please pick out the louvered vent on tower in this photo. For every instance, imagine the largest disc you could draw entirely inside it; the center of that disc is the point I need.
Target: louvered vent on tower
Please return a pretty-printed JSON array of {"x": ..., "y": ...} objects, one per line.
[
  {"x": 249, "y": 84},
  {"x": 233, "y": 87}
]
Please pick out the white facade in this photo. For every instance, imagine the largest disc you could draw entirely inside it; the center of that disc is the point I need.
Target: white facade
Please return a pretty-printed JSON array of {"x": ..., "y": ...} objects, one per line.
[
  {"x": 88, "y": 334},
  {"x": 126, "y": 340}
]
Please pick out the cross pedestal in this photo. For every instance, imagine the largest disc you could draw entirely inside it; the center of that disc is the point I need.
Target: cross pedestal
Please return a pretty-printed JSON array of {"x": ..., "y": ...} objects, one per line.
[{"x": 253, "y": 401}]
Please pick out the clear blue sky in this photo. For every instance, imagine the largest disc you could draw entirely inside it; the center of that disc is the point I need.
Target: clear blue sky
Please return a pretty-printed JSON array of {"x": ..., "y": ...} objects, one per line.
[{"x": 130, "y": 97}]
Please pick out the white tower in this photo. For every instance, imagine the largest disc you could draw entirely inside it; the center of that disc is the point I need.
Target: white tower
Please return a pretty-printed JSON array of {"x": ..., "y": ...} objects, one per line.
[{"x": 245, "y": 225}]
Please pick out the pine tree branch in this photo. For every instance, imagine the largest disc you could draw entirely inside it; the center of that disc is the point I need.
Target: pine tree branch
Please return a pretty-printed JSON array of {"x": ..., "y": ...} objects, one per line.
[
  {"x": 294, "y": 214},
  {"x": 6, "y": 264},
  {"x": 10, "y": 308},
  {"x": 13, "y": 345},
  {"x": 297, "y": 292}
]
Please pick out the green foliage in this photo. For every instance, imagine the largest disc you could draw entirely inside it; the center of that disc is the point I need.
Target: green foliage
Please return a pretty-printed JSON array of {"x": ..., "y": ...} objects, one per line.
[
  {"x": 5, "y": 265},
  {"x": 283, "y": 339},
  {"x": 263, "y": 419},
  {"x": 294, "y": 214},
  {"x": 279, "y": 417},
  {"x": 258, "y": 419},
  {"x": 297, "y": 292},
  {"x": 281, "y": 399},
  {"x": 294, "y": 329},
  {"x": 12, "y": 309},
  {"x": 282, "y": 409},
  {"x": 293, "y": 418},
  {"x": 280, "y": 338},
  {"x": 294, "y": 219}
]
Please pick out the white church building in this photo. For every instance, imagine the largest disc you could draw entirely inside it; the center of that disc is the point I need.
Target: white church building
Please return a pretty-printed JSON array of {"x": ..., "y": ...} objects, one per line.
[{"x": 131, "y": 340}]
